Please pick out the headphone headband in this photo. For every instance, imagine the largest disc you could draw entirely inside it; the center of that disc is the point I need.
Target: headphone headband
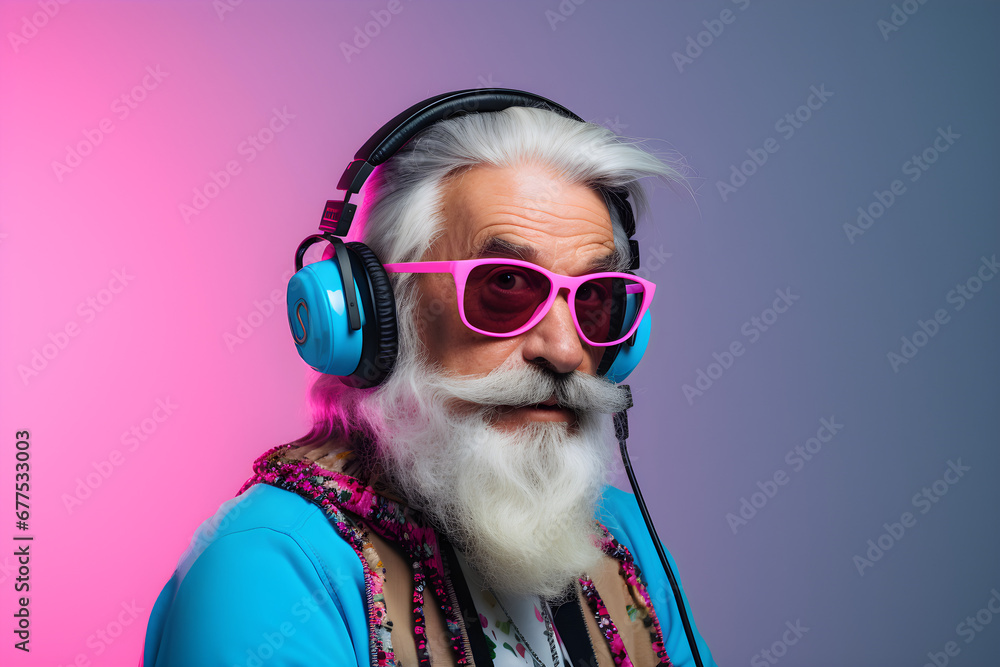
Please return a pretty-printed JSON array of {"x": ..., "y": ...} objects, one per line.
[
  {"x": 338, "y": 215},
  {"x": 391, "y": 136}
]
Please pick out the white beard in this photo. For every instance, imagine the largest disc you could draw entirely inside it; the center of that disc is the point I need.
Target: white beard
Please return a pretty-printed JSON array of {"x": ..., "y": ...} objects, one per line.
[{"x": 518, "y": 503}]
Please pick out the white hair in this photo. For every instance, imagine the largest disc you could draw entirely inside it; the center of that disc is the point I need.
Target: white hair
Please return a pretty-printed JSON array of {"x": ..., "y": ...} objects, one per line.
[{"x": 402, "y": 211}]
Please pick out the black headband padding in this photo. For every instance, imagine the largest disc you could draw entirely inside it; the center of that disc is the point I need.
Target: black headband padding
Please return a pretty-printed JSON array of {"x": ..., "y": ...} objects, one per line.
[{"x": 391, "y": 136}]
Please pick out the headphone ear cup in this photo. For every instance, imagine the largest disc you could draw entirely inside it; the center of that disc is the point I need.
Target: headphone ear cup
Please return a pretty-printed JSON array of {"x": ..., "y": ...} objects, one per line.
[
  {"x": 317, "y": 316},
  {"x": 381, "y": 339},
  {"x": 625, "y": 357}
]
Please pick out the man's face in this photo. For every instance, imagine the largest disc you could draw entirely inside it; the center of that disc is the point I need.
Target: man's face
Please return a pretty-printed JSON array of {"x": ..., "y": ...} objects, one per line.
[{"x": 517, "y": 213}]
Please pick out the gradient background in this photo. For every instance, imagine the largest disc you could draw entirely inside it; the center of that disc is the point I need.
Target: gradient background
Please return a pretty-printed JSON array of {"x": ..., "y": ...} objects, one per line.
[{"x": 717, "y": 264}]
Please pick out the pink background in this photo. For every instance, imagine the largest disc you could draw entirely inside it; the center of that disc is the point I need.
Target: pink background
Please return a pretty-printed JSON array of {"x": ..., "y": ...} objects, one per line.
[{"x": 163, "y": 337}]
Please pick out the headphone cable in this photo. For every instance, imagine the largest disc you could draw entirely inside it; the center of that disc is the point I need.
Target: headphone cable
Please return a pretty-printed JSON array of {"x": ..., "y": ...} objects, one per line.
[{"x": 621, "y": 431}]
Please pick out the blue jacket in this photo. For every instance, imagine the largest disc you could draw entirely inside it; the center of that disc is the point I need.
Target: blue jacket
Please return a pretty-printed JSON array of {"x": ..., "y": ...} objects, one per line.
[{"x": 268, "y": 577}]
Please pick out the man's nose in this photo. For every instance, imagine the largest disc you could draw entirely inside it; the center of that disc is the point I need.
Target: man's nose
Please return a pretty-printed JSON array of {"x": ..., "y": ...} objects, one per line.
[{"x": 554, "y": 342}]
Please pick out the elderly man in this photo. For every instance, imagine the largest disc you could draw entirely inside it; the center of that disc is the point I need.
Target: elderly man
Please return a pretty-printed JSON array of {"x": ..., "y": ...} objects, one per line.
[{"x": 450, "y": 504}]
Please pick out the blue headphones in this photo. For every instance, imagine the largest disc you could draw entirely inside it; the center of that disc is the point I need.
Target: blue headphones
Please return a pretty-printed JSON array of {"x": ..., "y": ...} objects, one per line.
[{"x": 341, "y": 310}]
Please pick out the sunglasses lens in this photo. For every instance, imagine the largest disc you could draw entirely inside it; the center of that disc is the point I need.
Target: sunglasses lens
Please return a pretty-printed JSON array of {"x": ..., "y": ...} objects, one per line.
[
  {"x": 607, "y": 307},
  {"x": 500, "y": 298}
]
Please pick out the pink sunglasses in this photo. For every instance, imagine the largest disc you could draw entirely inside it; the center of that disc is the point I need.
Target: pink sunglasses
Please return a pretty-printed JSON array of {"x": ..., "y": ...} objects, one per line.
[{"x": 506, "y": 297}]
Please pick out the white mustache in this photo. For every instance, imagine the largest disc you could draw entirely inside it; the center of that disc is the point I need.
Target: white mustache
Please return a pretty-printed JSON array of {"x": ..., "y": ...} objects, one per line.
[{"x": 523, "y": 386}]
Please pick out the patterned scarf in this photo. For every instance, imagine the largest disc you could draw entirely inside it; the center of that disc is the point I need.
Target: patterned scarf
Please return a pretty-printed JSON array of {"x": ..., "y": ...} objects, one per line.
[{"x": 340, "y": 494}]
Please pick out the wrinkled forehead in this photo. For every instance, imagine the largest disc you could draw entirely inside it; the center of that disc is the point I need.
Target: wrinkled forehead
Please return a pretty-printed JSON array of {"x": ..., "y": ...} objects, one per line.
[{"x": 524, "y": 212}]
